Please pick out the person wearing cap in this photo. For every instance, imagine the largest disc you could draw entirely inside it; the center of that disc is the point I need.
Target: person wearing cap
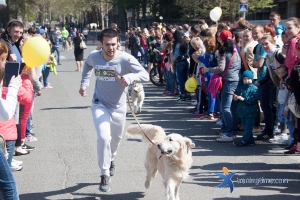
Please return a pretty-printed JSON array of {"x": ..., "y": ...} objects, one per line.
[
  {"x": 247, "y": 96},
  {"x": 229, "y": 66},
  {"x": 42, "y": 32}
]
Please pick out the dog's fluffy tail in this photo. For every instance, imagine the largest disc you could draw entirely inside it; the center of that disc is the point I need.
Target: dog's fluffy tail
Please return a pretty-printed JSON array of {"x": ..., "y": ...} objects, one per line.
[{"x": 150, "y": 130}]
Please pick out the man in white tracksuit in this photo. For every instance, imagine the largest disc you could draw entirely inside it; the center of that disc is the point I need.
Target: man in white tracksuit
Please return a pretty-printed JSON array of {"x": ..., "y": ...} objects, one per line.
[{"x": 114, "y": 71}]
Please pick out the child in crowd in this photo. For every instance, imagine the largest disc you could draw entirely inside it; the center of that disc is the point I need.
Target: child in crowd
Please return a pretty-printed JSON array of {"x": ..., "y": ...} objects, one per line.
[
  {"x": 158, "y": 56},
  {"x": 284, "y": 115},
  {"x": 247, "y": 95},
  {"x": 168, "y": 69},
  {"x": 197, "y": 44}
]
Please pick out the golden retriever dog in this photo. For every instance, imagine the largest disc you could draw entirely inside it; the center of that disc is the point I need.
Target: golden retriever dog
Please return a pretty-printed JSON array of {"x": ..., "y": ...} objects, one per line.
[{"x": 171, "y": 156}]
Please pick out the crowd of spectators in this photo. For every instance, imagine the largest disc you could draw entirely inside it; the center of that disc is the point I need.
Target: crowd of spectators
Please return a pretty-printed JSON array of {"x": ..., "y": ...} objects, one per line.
[{"x": 246, "y": 74}]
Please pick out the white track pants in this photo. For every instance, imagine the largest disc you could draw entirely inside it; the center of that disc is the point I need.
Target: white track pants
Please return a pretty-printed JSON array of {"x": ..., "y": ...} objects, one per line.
[{"x": 109, "y": 125}]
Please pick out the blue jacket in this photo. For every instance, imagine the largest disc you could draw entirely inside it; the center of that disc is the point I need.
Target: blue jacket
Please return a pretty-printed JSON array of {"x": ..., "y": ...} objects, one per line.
[{"x": 248, "y": 107}]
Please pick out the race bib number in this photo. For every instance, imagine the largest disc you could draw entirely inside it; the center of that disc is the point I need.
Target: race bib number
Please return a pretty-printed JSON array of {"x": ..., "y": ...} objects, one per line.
[{"x": 105, "y": 73}]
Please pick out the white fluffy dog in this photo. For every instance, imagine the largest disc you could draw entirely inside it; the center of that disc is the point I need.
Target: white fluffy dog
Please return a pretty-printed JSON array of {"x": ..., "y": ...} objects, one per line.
[
  {"x": 171, "y": 156},
  {"x": 137, "y": 97}
]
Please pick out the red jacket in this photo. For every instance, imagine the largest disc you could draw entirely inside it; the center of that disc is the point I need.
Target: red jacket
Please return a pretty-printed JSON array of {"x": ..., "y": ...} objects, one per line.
[{"x": 25, "y": 96}]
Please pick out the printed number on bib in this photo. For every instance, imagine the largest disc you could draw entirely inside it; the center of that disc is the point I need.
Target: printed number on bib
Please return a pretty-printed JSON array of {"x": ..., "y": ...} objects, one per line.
[{"x": 105, "y": 73}]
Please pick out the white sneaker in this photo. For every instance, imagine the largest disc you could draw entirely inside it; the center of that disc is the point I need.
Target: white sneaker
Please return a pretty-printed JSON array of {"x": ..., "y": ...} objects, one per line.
[
  {"x": 17, "y": 162},
  {"x": 288, "y": 142},
  {"x": 219, "y": 122},
  {"x": 225, "y": 138},
  {"x": 279, "y": 138},
  {"x": 30, "y": 138},
  {"x": 14, "y": 167},
  {"x": 194, "y": 103}
]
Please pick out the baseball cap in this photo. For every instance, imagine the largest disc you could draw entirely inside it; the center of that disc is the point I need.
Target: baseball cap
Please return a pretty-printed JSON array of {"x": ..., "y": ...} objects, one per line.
[
  {"x": 225, "y": 34},
  {"x": 42, "y": 31}
]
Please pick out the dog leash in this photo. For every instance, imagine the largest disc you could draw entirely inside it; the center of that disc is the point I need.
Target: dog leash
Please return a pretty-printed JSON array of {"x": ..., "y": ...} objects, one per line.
[{"x": 132, "y": 112}]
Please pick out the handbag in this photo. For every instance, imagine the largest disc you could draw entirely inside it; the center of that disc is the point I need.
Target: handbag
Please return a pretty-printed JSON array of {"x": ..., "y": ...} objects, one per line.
[
  {"x": 82, "y": 45},
  {"x": 292, "y": 104}
]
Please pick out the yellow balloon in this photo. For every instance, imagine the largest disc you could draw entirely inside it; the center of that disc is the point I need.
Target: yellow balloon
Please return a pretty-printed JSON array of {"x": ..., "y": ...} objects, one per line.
[
  {"x": 191, "y": 84},
  {"x": 35, "y": 52},
  {"x": 219, "y": 10}
]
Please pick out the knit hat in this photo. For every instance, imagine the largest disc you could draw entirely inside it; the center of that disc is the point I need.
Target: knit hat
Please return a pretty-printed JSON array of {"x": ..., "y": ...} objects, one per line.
[
  {"x": 225, "y": 34},
  {"x": 248, "y": 74}
]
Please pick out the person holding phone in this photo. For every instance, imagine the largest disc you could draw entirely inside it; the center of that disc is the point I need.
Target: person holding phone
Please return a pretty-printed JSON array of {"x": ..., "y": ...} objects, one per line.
[{"x": 8, "y": 187}]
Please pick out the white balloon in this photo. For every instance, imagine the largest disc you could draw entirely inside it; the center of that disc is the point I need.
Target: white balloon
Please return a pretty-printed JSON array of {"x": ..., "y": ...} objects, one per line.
[{"x": 214, "y": 15}]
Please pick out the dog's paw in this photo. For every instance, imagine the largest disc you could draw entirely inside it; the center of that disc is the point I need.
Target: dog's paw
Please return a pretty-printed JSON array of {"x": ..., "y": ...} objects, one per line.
[{"x": 147, "y": 183}]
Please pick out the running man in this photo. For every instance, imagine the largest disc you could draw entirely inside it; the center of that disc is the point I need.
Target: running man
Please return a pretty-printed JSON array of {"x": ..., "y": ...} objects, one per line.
[{"x": 109, "y": 100}]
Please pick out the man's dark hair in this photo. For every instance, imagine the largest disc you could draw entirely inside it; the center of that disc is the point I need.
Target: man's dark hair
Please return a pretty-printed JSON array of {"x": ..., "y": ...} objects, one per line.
[
  {"x": 196, "y": 29},
  {"x": 15, "y": 22},
  {"x": 110, "y": 33},
  {"x": 32, "y": 30}
]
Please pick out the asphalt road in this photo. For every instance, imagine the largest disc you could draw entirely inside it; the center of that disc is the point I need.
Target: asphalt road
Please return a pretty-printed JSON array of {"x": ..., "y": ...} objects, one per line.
[{"x": 64, "y": 164}]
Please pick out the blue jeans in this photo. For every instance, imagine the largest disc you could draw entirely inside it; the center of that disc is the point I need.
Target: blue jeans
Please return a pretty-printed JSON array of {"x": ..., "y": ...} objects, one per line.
[
  {"x": 211, "y": 100},
  {"x": 8, "y": 187},
  {"x": 10, "y": 146},
  {"x": 46, "y": 73},
  {"x": 170, "y": 81},
  {"x": 56, "y": 48},
  {"x": 182, "y": 69},
  {"x": 229, "y": 115},
  {"x": 266, "y": 91},
  {"x": 28, "y": 126},
  {"x": 146, "y": 60},
  {"x": 248, "y": 123}
]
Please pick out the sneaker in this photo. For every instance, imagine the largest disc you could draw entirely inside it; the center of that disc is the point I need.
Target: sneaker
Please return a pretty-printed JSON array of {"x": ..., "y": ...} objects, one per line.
[
  {"x": 104, "y": 184},
  {"x": 225, "y": 138},
  {"x": 170, "y": 94},
  {"x": 241, "y": 143},
  {"x": 194, "y": 103},
  {"x": 27, "y": 147},
  {"x": 166, "y": 92},
  {"x": 197, "y": 114},
  {"x": 181, "y": 99},
  {"x": 288, "y": 142},
  {"x": 291, "y": 147},
  {"x": 17, "y": 162},
  {"x": 112, "y": 168},
  {"x": 14, "y": 167},
  {"x": 256, "y": 130},
  {"x": 207, "y": 117},
  {"x": 48, "y": 87},
  {"x": 293, "y": 152},
  {"x": 20, "y": 152},
  {"x": 264, "y": 136},
  {"x": 188, "y": 98},
  {"x": 30, "y": 138},
  {"x": 176, "y": 93},
  {"x": 279, "y": 138},
  {"x": 219, "y": 122}
]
